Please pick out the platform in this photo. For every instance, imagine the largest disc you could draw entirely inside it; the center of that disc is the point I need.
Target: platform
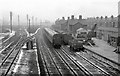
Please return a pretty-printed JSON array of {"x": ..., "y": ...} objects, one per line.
[{"x": 104, "y": 49}]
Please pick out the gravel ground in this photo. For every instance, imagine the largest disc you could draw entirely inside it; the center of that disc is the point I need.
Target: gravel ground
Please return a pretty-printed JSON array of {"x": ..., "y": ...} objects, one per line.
[
  {"x": 27, "y": 65},
  {"x": 104, "y": 49}
]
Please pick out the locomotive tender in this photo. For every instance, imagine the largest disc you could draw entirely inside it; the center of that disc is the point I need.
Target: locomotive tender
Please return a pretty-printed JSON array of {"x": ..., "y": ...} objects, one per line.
[
  {"x": 66, "y": 38},
  {"x": 54, "y": 37},
  {"x": 76, "y": 45}
]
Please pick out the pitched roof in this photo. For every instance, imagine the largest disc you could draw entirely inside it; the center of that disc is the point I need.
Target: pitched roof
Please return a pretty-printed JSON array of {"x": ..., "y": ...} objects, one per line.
[
  {"x": 62, "y": 21},
  {"x": 73, "y": 22},
  {"x": 108, "y": 29}
]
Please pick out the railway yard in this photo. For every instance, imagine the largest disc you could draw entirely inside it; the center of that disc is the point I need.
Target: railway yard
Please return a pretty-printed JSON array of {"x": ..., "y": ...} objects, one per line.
[
  {"x": 19, "y": 58},
  {"x": 59, "y": 38}
]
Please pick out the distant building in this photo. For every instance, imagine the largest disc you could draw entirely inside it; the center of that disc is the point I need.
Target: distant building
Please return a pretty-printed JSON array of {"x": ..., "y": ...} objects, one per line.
[
  {"x": 106, "y": 26},
  {"x": 119, "y": 8},
  {"x": 58, "y": 23},
  {"x": 108, "y": 22},
  {"x": 108, "y": 34},
  {"x": 71, "y": 25}
]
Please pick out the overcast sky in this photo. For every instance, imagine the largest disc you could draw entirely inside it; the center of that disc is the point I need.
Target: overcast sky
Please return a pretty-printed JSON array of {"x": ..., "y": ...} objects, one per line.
[{"x": 53, "y": 9}]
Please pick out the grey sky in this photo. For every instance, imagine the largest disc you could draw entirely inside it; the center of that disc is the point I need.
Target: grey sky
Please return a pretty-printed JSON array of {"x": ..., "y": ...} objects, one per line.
[{"x": 53, "y": 9}]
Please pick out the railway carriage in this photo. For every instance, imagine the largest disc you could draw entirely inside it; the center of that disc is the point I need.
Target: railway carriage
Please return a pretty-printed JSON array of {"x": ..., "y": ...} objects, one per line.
[{"x": 54, "y": 37}]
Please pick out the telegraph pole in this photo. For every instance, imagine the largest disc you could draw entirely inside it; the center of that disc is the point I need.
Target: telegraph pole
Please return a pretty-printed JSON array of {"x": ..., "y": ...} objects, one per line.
[{"x": 11, "y": 21}]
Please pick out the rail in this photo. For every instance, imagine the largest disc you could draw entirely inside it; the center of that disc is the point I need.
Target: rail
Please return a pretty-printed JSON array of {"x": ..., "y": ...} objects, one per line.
[
  {"x": 83, "y": 62},
  {"x": 16, "y": 50},
  {"x": 114, "y": 65}
]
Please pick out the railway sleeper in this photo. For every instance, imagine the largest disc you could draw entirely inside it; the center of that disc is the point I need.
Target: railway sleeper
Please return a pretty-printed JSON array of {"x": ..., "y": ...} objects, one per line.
[
  {"x": 50, "y": 64},
  {"x": 66, "y": 71},
  {"x": 58, "y": 62},
  {"x": 52, "y": 70},
  {"x": 78, "y": 72},
  {"x": 73, "y": 66},
  {"x": 61, "y": 65}
]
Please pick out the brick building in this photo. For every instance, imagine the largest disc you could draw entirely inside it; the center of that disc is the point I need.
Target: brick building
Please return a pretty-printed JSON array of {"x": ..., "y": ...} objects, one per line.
[
  {"x": 71, "y": 25},
  {"x": 106, "y": 26},
  {"x": 108, "y": 34}
]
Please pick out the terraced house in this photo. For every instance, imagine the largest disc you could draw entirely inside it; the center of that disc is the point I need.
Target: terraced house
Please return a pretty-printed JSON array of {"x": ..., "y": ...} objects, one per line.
[
  {"x": 108, "y": 31},
  {"x": 71, "y": 24},
  {"x": 106, "y": 26}
]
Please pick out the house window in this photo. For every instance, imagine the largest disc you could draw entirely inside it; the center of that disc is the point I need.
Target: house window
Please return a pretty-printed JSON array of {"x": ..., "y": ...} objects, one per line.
[{"x": 113, "y": 24}]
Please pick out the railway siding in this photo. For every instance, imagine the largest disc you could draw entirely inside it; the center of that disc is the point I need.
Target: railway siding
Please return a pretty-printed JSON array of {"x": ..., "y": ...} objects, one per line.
[
  {"x": 27, "y": 65},
  {"x": 112, "y": 64}
]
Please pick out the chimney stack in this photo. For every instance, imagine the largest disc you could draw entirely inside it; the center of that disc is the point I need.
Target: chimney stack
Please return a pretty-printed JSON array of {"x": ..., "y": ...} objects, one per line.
[
  {"x": 80, "y": 16},
  {"x": 106, "y": 17},
  {"x": 68, "y": 18},
  {"x": 72, "y": 16},
  {"x": 63, "y": 18},
  {"x": 101, "y": 17},
  {"x": 112, "y": 16},
  {"x": 97, "y": 17}
]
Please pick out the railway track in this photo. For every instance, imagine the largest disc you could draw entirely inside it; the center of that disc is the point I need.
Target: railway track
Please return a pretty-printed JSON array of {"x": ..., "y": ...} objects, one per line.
[
  {"x": 6, "y": 48},
  {"x": 93, "y": 61},
  {"x": 106, "y": 66},
  {"x": 10, "y": 60},
  {"x": 61, "y": 62},
  {"x": 92, "y": 69},
  {"x": 5, "y": 42},
  {"x": 9, "y": 46},
  {"x": 55, "y": 62}
]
